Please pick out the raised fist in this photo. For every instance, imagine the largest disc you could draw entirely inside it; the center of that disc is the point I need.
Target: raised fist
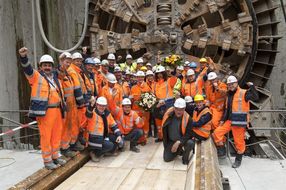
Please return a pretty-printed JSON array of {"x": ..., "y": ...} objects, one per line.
[
  {"x": 23, "y": 52},
  {"x": 92, "y": 101},
  {"x": 84, "y": 50}
]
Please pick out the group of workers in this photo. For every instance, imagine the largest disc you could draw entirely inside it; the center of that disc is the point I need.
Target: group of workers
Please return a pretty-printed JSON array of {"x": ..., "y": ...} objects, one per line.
[{"x": 87, "y": 102}]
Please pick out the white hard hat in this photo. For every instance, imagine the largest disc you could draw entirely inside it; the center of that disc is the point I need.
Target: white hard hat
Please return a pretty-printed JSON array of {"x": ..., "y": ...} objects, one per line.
[
  {"x": 160, "y": 69},
  {"x": 149, "y": 73},
  {"x": 101, "y": 101},
  {"x": 96, "y": 60},
  {"x": 46, "y": 59},
  {"x": 126, "y": 101},
  {"x": 149, "y": 64},
  {"x": 140, "y": 74},
  {"x": 66, "y": 55},
  {"x": 111, "y": 56},
  {"x": 127, "y": 72},
  {"x": 212, "y": 76},
  {"x": 117, "y": 69},
  {"x": 180, "y": 67},
  {"x": 111, "y": 78},
  {"x": 190, "y": 72},
  {"x": 76, "y": 55},
  {"x": 188, "y": 99},
  {"x": 128, "y": 56},
  {"x": 186, "y": 64},
  {"x": 104, "y": 62},
  {"x": 231, "y": 79},
  {"x": 139, "y": 60},
  {"x": 180, "y": 103}
]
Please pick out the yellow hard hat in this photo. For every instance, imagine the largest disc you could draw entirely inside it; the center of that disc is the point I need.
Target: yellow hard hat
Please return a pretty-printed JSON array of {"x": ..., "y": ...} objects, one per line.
[
  {"x": 203, "y": 60},
  {"x": 143, "y": 68},
  {"x": 198, "y": 97}
]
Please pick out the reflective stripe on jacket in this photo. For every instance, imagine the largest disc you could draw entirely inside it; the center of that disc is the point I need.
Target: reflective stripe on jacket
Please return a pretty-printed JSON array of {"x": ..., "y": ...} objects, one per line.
[{"x": 205, "y": 130}]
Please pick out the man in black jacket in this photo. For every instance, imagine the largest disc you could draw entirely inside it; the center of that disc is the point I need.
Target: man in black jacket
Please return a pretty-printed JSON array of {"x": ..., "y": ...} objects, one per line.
[{"x": 175, "y": 122}]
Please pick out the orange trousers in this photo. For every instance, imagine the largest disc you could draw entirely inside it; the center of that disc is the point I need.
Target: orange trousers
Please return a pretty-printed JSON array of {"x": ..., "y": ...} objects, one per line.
[
  {"x": 238, "y": 135},
  {"x": 216, "y": 117},
  {"x": 70, "y": 124},
  {"x": 50, "y": 127},
  {"x": 83, "y": 122},
  {"x": 159, "y": 128},
  {"x": 146, "y": 117}
]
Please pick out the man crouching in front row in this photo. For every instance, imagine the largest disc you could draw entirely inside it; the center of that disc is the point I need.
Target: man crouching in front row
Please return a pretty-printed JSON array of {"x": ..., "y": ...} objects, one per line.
[
  {"x": 100, "y": 125},
  {"x": 175, "y": 122}
]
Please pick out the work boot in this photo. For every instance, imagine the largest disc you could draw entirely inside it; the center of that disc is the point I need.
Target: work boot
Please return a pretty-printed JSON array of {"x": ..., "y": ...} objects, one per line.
[
  {"x": 158, "y": 140},
  {"x": 121, "y": 149},
  {"x": 77, "y": 146},
  {"x": 95, "y": 158},
  {"x": 115, "y": 153},
  {"x": 60, "y": 161},
  {"x": 237, "y": 161},
  {"x": 133, "y": 147},
  {"x": 81, "y": 138},
  {"x": 221, "y": 153},
  {"x": 50, "y": 165},
  {"x": 68, "y": 153}
]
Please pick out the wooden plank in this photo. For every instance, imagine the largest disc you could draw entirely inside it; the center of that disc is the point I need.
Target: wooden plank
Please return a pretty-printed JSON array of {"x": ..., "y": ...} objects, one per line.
[
  {"x": 157, "y": 161},
  {"x": 160, "y": 179},
  {"x": 47, "y": 179},
  {"x": 148, "y": 179},
  {"x": 132, "y": 179},
  {"x": 95, "y": 178},
  {"x": 170, "y": 179},
  {"x": 141, "y": 160}
]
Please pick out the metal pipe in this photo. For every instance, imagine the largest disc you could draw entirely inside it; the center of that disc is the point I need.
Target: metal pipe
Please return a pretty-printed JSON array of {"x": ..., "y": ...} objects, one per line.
[
  {"x": 8, "y": 111},
  {"x": 12, "y": 121},
  {"x": 276, "y": 150},
  {"x": 268, "y": 128},
  {"x": 267, "y": 111},
  {"x": 34, "y": 34},
  {"x": 13, "y": 126}
]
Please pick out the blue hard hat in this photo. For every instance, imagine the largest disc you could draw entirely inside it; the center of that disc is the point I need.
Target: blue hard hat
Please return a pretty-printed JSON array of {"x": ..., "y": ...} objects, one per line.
[
  {"x": 193, "y": 65},
  {"x": 89, "y": 61}
]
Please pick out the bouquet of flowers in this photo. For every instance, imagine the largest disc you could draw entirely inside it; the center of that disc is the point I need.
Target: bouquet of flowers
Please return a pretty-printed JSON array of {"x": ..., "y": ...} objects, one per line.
[
  {"x": 147, "y": 101},
  {"x": 173, "y": 60}
]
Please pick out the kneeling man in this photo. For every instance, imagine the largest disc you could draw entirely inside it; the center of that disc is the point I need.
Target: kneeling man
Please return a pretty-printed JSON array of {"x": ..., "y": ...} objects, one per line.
[{"x": 175, "y": 122}]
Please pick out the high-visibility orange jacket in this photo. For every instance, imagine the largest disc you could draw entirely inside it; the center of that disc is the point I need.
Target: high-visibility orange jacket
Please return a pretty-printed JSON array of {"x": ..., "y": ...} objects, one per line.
[
  {"x": 82, "y": 84},
  {"x": 240, "y": 109},
  {"x": 43, "y": 95},
  {"x": 184, "y": 122},
  {"x": 172, "y": 80},
  {"x": 205, "y": 129},
  {"x": 135, "y": 94},
  {"x": 192, "y": 88},
  {"x": 162, "y": 90},
  {"x": 217, "y": 97},
  {"x": 125, "y": 122},
  {"x": 151, "y": 85},
  {"x": 124, "y": 86},
  {"x": 101, "y": 81},
  {"x": 108, "y": 93},
  {"x": 95, "y": 126}
]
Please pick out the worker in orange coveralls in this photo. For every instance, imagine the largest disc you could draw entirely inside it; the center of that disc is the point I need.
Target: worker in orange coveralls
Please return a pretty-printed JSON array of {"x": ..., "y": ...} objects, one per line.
[
  {"x": 47, "y": 106},
  {"x": 216, "y": 95},
  {"x": 136, "y": 92},
  {"x": 236, "y": 118},
  {"x": 71, "y": 122}
]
